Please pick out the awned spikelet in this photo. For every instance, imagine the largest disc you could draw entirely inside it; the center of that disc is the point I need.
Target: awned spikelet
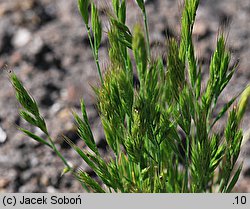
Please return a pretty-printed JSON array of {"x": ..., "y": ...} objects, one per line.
[
  {"x": 244, "y": 101},
  {"x": 140, "y": 53}
]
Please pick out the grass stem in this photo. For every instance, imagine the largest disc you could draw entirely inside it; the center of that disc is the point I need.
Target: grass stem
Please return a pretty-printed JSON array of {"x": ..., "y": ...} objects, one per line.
[{"x": 95, "y": 54}]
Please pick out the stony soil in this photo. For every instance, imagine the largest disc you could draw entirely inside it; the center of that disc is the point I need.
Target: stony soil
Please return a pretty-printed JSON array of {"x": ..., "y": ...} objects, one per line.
[{"x": 45, "y": 43}]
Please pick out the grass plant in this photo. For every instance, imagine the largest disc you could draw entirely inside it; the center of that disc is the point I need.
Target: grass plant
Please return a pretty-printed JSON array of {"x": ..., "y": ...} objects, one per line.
[{"x": 160, "y": 134}]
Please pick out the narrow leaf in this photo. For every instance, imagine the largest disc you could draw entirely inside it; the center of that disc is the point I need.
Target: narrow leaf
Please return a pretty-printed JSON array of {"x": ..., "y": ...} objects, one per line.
[
  {"x": 223, "y": 110},
  {"x": 35, "y": 137},
  {"x": 83, "y": 6},
  {"x": 235, "y": 178}
]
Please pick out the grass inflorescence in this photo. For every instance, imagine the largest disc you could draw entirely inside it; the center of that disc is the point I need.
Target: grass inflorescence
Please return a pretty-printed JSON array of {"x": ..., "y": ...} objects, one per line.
[{"x": 160, "y": 135}]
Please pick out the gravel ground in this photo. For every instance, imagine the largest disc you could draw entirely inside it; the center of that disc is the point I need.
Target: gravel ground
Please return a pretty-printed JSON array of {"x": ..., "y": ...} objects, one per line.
[{"x": 45, "y": 43}]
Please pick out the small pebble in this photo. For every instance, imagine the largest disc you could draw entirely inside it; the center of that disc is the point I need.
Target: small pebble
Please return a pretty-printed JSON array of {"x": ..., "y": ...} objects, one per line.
[
  {"x": 21, "y": 38},
  {"x": 51, "y": 189},
  {"x": 4, "y": 183},
  {"x": 200, "y": 29},
  {"x": 3, "y": 136},
  {"x": 56, "y": 108}
]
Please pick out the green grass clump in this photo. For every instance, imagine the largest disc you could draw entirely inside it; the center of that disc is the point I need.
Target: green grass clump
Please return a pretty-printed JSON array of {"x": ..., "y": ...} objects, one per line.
[{"x": 145, "y": 126}]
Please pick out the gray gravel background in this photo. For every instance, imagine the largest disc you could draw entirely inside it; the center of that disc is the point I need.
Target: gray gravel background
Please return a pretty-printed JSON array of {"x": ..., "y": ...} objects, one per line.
[{"x": 44, "y": 41}]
